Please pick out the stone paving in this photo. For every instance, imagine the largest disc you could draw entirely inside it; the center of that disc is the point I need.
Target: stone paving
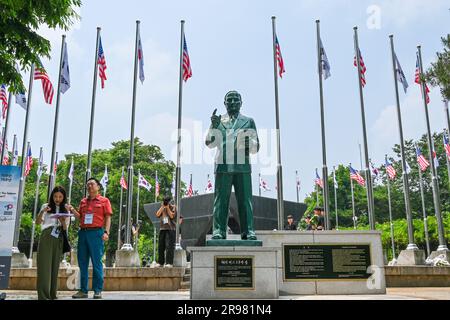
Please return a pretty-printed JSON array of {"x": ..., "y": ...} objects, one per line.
[{"x": 392, "y": 294}]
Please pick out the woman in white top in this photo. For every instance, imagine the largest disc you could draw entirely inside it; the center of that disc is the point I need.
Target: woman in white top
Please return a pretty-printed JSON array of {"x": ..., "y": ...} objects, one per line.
[{"x": 51, "y": 244}]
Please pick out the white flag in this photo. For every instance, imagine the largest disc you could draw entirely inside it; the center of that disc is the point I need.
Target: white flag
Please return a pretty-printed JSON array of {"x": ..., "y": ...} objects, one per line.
[
  {"x": 71, "y": 172},
  {"x": 334, "y": 179},
  {"x": 15, "y": 152},
  {"x": 104, "y": 181},
  {"x": 65, "y": 75},
  {"x": 144, "y": 183},
  {"x": 324, "y": 61},
  {"x": 408, "y": 168},
  {"x": 141, "y": 60},
  {"x": 40, "y": 165}
]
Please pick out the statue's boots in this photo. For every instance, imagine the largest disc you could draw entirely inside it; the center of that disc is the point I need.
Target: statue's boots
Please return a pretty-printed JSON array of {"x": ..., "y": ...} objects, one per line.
[{"x": 217, "y": 235}]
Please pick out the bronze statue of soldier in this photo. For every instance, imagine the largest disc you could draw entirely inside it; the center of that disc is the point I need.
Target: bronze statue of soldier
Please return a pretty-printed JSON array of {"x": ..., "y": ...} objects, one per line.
[{"x": 235, "y": 137}]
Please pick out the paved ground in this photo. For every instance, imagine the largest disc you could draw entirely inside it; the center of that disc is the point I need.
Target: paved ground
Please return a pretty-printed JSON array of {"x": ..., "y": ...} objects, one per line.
[{"x": 392, "y": 294}]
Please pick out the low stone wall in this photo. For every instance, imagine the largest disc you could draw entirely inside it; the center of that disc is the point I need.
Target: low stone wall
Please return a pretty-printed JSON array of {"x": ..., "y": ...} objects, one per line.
[
  {"x": 116, "y": 279},
  {"x": 417, "y": 276}
]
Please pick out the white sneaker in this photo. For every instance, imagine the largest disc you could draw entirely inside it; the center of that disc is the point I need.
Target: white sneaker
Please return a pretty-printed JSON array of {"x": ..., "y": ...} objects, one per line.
[
  {"x": 168, "y": 266},
  {"x": 157, "y": 265}
]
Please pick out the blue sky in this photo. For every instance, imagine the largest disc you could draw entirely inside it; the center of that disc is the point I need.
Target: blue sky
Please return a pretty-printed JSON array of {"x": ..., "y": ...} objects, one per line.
[{"x": 230, "y": 46}]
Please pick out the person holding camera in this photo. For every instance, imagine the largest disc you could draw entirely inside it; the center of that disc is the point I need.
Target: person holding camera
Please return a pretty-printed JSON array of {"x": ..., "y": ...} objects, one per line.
[{"x": 167, "y": 231}]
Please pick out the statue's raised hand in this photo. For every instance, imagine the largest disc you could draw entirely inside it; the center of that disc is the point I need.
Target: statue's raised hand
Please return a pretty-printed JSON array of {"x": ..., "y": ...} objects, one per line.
[{"x": 215, "y": 119}]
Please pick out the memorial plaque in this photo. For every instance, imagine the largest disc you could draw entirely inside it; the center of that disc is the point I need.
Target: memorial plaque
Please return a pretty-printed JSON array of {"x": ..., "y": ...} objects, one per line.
[
  {"x": 234, "y": 273},
  {"x": 326, "y": 261}
]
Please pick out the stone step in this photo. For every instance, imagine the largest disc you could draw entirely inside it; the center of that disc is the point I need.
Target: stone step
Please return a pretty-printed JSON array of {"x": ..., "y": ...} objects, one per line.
[{"x": 185, "y": 285}]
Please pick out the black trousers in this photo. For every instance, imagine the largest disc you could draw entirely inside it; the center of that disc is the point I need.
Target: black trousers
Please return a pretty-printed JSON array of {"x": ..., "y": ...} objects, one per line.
[{"x": 166, "y": 246}]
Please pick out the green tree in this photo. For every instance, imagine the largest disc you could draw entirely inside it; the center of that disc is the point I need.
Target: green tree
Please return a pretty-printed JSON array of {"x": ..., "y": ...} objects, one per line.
[
  {"x": 439, "y": 72},
  {"x": 19, "y": 41}
]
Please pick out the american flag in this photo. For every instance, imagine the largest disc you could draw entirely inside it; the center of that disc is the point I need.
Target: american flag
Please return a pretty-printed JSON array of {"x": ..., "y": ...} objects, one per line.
[
  {"x": 156, "y": 185},
  {"x": 447, "y": 146},
  {"x": 29, "y": 162},
  {"x": 354, "y": 175},
  {"x": 318, "y": 181},
  {"x": 187, "y": 70},
  {"x": 123, "y": 182},
  {"x": 419, "y": 81},
  {"x": 362, "y": 67},
  {"x": 5, "y": 160},
  {"x": 47, "y": 87},
  {"x": 190, "y": 191},
  {"x": 101, "y": 63},
  {"x": 4, "y": 100},
  {"x": 390, "y": 170},
  {"x": 279, "y": 57},
  {"x": 423, "y": 163}
]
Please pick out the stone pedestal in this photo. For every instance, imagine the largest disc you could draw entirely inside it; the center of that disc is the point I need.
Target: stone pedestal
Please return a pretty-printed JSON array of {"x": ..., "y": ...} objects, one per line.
[
  {"x": 375, "y": 284},
  {"x": 19, "y": 260},
  {"x": 411, "y": 258},
  {"x": 436, "y": 253},
  {"x": 127, "y": 258},
  {"x": 262, "y": 274},
  {"x": 179, "y": 258}
]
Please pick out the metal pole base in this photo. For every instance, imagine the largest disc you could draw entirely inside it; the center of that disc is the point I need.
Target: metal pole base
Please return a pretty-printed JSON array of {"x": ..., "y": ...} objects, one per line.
[
  {"x": 442, "y": 248},
  {"x": 412, "y": 246},
  {"x": 127, "y": 247}
]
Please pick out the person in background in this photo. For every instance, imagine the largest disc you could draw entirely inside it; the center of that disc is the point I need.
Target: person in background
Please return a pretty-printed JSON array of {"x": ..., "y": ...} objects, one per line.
[
  {"x": 167, "y": 233},
  {"x": 290, "y": 223},
  {"x": 50, "y": 244},
  {"x": 308, "y": 222},
  {"x": 94, "y": 214}
]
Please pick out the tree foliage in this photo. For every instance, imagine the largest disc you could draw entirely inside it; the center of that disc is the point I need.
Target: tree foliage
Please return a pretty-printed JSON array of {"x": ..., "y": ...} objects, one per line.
[
  {"x": 19, "y": 41},
  {"x": 439, "y": 72}
]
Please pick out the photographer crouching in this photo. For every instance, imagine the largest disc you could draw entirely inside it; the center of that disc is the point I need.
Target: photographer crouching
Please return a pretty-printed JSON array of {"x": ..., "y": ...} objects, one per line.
[{"x": 167, "y": 230}]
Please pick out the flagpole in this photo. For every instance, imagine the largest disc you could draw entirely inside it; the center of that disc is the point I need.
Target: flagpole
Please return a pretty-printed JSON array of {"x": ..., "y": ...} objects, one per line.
[
  {"x": 296, "y": 185},
  {"x": 436, "y": 199},
  {"x": 24, "y": 153},
  {"x": 390, "y": 211},
  {"x": 259, "y": 184},
  {"x": 335, "y": 198},
  {"x": 91, "y": 125},
  {"x": 411, "y": 243},
  {"x": 51, "y": 178},
  {"x": 366, "y": 147},
  {"x": 360, "y": 157},
  {"x": 353, "y": 201},
  {"x": 178, "y": 169},
  {"x": 280, "y": 202},
  {"x": 137, "y": 204},
  {"x": 424, "y": 212},
  {"x": 326, "y": 200},
  {"x": 447, "y": 117},
  {"x": 69, "y": 198},
  {"x": 154, "y": 244},
  {"x": 106, "y": 184},
  {"x": 35, "y": 210},
  {"x": 5, "y": 131},
  {"x": 127, "y": 245},
  {"x": 56, "y": 159},
  {"x": 156, "y": 178},
  {"x": 120, "y": 214},
  {"x": 14, "y": 150}
]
